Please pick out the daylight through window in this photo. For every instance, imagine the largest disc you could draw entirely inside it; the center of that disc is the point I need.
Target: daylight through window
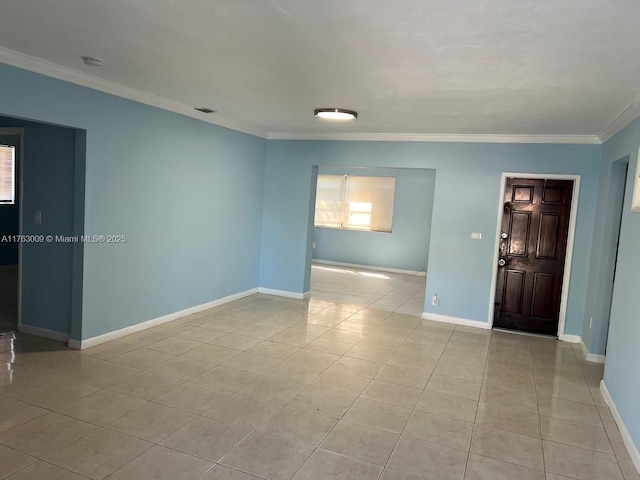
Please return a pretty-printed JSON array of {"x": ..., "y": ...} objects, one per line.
[
  {"x": 355, "y": 203},
  {"x": 7, "y": 174}
]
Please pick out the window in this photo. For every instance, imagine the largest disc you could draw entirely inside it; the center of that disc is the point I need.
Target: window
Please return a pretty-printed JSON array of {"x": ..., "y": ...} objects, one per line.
[
  {"x": 355, "y": 203},
  {"x": 7, "y": 174}
]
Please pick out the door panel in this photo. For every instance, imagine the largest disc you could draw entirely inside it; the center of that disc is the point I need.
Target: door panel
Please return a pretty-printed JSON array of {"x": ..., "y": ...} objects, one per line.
[
  {"x": 513, "y": 291},
  {"x": 548, "y": 236},
  {"x": 519, "y": 233},
  {"x": 542, "y": 290},
  {"x": 535, "y": 226}
]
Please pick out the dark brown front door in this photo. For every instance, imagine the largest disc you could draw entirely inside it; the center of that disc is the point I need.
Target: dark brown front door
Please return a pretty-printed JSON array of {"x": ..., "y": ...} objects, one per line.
[{"x": 533, "y": 244}]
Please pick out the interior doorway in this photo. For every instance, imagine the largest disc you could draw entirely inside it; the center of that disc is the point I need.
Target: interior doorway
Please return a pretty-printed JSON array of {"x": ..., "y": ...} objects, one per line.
[
  {"x": 534, "y": 234},
  {"x": 10, "y": 195},
  {"x": 355, "y": 258},
  {"x": 610, "y": 243}
]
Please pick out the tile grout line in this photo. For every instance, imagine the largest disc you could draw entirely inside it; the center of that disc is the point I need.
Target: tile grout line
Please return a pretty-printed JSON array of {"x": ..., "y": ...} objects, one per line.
[{"x": 421, "y": 393}]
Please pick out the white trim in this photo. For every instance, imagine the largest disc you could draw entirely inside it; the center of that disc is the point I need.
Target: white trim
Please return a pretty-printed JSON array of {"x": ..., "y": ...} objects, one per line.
[
  {"x": 436, "y": 137},
  {"x": 138, "y": 327},
  {"x": 370, "y": 267},
  {"x": 519, "y": 332},
  {"x": 624, "y": 432},
  {"x": 570, "y": 241},
  {"x": 284, "y": 293},
  {"x": 33, "y": 64},
  {"x": 455, "y": 320},
  {"x": 590, "y": 357},
  {"x": 43, "y": 332},
  {"x": 624, "y": 118},
  {"x": 569, "y": 338}
]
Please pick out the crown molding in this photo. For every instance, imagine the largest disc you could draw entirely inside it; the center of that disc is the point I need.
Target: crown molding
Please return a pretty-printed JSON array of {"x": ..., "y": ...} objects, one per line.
[
  {"x": 623, "y": 119},
  {"x": 33, "y": 64},
  {"x": 430, "y": 137}
]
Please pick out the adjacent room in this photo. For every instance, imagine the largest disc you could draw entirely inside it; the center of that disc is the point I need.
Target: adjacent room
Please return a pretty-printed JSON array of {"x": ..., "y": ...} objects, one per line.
[{"x": 319, "y": 240}]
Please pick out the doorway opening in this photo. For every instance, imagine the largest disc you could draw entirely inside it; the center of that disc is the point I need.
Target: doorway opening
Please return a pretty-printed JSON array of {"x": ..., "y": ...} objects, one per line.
[
  {"x": 610, "y": 244},
  {"x": 45, "y": 297},
  {"x": 10, "y": 205},
  {"x": 368, "y": 242},
  {"x": 535, "y": 233}
]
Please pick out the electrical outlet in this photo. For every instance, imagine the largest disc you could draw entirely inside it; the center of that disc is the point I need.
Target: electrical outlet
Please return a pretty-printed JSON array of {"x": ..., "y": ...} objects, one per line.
[
  {"x": 313, "y": 245},
  {"x": 434, "y": 300}
]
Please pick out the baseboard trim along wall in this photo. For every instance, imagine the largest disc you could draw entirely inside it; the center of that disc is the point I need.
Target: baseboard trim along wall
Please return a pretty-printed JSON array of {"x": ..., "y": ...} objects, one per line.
[
  {"x": 569, "y": 338},
  {"x": 138, "y": 327},
  {"x": 455, "y": 320},
  {"x": 624, "y": 432},
  {"x": 591, "y": 357},
  {"x": 43, "y": 332},
  {"x": 284, "y": 293},
  {"x": 420, "y": 273}
]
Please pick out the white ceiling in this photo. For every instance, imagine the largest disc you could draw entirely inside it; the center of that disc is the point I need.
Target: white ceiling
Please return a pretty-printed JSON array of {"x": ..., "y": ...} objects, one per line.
[{"x": 536, "y": 67}]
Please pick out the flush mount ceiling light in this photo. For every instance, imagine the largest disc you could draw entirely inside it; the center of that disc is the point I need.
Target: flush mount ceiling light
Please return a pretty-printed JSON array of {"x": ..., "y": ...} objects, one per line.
[
  {"x": 92, "y": 61},
  {"x": 336, "y": 113}
]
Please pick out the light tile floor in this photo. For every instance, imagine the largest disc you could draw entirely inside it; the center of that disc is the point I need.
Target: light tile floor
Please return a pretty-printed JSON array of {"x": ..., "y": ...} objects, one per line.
[
  {"x": 275, "y": 388},
  {"x": 374, "y": 289}
]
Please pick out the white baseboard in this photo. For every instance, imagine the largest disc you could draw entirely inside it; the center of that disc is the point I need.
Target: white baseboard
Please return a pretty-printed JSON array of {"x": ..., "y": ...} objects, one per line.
[
  {"x": 284, "y": 293},
  {"x": 43, "y": 332},
  {"x": 591, "y": 357},
  {"x": 569, "y": 338},
  {"x": 455, "y": 320},
  {"x": 371, "y": 267},
  {"x": 624, "y": 432},
  {"x": 97, "y": 340}
]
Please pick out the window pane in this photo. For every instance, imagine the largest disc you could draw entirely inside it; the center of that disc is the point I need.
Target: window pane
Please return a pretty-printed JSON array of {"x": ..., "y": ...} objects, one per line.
[
  {"x": 7, "y": 174},
  {"x": 356, "y": 203},
  {"x": 329, "y": 197},
  {"x": 370, "y": 201}
]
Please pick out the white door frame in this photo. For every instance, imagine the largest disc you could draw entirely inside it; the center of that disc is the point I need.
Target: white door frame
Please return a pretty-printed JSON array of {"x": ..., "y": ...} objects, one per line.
[{"x": 568, "y": 256}]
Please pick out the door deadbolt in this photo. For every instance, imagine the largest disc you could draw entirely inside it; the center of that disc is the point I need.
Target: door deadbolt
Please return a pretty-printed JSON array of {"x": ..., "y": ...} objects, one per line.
[{"x": 504, "y": 235}]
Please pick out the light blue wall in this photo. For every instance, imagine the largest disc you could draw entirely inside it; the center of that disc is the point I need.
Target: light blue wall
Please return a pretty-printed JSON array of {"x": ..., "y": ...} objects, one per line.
[
  {"x": 407, "y": 246},
  {"x": 187, "y": 195},
  {"x": 468, "y": 178},
  {"x": 621, "y": 375}
]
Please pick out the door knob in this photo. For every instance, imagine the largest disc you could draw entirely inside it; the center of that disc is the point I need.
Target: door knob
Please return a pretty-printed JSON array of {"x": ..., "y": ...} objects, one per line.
[
  {"x": 504, "y": 235},
  {"x": 502, "y": 262}
]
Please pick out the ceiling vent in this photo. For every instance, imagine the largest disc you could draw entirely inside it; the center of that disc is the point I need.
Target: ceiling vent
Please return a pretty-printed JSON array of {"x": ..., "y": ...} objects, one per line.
[{"x": 92, "y": 61}]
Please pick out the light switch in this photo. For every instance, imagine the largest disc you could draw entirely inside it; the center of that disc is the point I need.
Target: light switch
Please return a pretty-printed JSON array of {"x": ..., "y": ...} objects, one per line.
[
  {"x": 476, "y": 236},
  {"x": 38, "y": 216}
]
